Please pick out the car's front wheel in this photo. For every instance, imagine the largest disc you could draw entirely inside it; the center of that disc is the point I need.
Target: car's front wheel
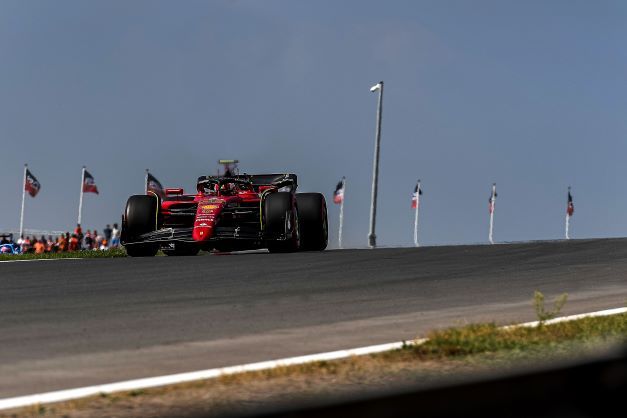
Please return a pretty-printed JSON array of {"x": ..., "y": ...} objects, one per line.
[{"x": 140, "y": 217}]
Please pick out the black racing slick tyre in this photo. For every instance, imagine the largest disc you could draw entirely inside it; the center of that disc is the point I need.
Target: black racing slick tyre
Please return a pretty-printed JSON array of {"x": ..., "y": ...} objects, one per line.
[
  {"x": 140, "y": 217},
  {"x": 281, "y": 219},
  {"x": 314, "y": 226}
]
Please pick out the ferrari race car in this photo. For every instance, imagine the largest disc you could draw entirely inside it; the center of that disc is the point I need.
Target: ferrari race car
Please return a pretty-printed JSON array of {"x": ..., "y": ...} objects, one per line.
[{"x": 241, "y": 212}]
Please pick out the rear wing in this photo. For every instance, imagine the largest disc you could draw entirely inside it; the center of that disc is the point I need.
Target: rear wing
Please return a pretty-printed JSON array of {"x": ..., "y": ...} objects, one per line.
[
  {"x": 284, "y": 179},
  {"x": 256, "y": 180}
]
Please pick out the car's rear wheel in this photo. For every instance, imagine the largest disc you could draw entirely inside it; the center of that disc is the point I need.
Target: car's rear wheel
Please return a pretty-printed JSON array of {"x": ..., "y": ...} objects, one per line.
[
  {"x": 140, "y": 217},
  {"x": 281, "y": 220},
  {"x": 314, "y": 225}
]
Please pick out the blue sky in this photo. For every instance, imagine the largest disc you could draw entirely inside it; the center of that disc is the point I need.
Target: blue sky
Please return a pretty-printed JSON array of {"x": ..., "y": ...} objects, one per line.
[{"x": 530, "y": 95}]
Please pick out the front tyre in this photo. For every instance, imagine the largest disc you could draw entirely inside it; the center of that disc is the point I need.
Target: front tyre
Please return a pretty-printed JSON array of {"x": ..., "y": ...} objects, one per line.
[
  {"x": 140, "y": 217},
  {"x": 314, "y": 225}
]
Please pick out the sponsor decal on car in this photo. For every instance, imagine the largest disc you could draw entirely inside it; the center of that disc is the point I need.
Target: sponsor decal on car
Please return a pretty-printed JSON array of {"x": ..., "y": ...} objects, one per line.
[{"x": 208, "y": 208}]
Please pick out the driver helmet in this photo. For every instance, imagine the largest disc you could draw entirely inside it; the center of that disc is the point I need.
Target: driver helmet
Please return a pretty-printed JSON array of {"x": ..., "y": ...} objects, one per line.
[{"x": 227, "y": 187}]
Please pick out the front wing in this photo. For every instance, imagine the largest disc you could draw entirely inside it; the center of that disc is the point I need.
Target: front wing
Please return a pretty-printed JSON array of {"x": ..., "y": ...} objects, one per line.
[{"x": 241, "y": 232}]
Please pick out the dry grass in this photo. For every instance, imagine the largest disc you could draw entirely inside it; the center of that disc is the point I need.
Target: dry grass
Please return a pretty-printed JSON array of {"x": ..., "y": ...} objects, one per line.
[{"x": 481, "y": 338}]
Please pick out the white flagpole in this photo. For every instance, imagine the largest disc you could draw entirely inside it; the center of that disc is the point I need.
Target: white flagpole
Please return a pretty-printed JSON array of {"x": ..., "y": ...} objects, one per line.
[
  {"x": 80, "y": 201},
  {"x": 416, "y": 217},
  {"x": 342, "y": 211},
  {"x": 493, "y": 207},
  {"x": 567, "y": 218},
  {"x": 23, "y": 198},
  {"x": 146, "y": 182}
]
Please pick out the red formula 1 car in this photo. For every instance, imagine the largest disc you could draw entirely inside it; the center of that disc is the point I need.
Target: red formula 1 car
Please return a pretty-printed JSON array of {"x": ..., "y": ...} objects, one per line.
[{"x": 242, "y": 212}]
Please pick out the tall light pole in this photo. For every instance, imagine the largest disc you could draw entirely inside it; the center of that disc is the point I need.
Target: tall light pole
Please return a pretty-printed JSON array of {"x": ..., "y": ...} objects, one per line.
[{"x": 372, "y": 237}]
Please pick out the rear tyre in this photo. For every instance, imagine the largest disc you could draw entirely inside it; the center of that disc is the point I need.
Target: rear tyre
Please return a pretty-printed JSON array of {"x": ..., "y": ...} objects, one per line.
[
  {"x": 282, "y": 220},
  {"x": 314, "y": 225},
  {"x": 140, "y": 217}
]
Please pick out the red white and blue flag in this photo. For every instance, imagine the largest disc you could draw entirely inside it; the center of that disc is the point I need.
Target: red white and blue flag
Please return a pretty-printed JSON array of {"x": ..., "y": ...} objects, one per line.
[
  {"x": 31, "y": 184},
  {"x": 570, "y": 208},
  {"x": 415, "y": 197},
  {"x": 153, "y": 185},
  {"x": 338, "y": 194},
  {"x": 89, "y": 185}
]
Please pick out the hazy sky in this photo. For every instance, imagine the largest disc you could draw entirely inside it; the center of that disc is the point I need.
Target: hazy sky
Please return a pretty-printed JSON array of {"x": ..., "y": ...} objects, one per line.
[{"x": 529, "y": 94}]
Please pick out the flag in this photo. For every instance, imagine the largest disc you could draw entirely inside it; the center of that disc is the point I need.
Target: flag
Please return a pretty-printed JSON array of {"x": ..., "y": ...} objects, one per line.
[
  {"x": 414, "y": 196},
  {"x": 570, "y": 209},
  {"x": 491, "y": 201},
  {"x": 31, "y": 184},
  {"x": 338, "y": 194},
  {"x": 153, "y": 185},
  {"x": 89, "y": 185}
]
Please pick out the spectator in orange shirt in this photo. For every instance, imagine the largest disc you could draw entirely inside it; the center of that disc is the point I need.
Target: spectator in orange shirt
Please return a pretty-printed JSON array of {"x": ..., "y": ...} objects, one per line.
[
  {"x": 73, "y": 246},
  {"x": 79, "y": 235},
  {"x": 40, "y": 247},
  {"x": 62, "y": 243}
]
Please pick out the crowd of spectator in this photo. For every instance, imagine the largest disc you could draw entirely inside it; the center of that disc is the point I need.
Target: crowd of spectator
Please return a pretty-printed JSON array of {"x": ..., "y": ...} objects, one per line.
[{"x": 76, "y": 241}]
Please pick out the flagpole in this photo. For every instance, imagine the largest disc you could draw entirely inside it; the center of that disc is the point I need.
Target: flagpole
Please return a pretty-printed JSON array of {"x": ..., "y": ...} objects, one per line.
[
  {"x": 342, "y": 212},
  {"x": 416, "y": 217},
  {"x": 566, "y": 234},
  {"x": 493, "y": 208},
  {"x": 80, "y": 201},
  {"x": 23, "y": 199},
  {"x": 146, "y": 182}
]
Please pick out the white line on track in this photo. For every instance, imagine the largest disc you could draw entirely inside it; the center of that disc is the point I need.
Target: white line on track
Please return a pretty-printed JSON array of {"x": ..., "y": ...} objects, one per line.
[
  {"x": 150, "y": 382},
  {"x": 41, "y": 259}
]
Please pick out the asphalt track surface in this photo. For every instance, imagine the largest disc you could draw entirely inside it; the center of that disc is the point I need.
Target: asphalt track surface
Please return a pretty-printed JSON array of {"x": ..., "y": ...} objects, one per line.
[{"x": 72, "y": 323}]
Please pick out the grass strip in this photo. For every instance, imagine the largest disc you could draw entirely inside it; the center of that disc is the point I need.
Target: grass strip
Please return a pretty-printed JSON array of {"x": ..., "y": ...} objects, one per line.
[
  {"x": 116, "y": 252},
  {"x": 482, "y": 338}
]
